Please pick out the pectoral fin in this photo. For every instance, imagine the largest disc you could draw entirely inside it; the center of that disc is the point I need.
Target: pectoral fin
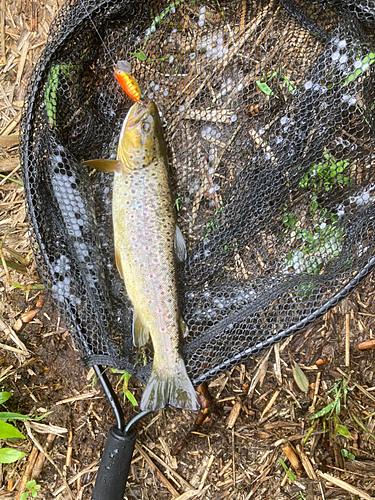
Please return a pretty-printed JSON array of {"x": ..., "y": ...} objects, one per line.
[
  {"x": 106, "y": 166},
  {"x": 183, "y": 327},
  {"x": 179, "y": 245},
  {"x": 141, "y": 334},
  {"x": 118, "y": 264}
]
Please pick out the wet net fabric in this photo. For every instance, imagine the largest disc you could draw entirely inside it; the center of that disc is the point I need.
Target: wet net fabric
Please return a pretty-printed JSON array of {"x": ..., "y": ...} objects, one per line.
[{"x": 268, "y": 113}]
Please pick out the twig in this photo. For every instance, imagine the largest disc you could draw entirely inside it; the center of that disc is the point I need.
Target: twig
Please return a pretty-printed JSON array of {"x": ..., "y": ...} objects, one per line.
[
  {"x": 351, "y": 472},
  {"x": 3, "y": 181},
  {"x": 321, "y": 490},
  {"x": 367, "y": 344},
  {"x": 12, "y": 124},
  {"x": 90, "y": 468},
  {"x": 77, "y": 398},
  {"x": 47, "y": 429},
  {"x": 11, "y": 349},
  {"x": 4, "y": 264},
  {"x": 284, "y": 480},
  {"x": 3, "y": 58},
  {"x": 193, "y": 494},
  {"x": 68, "y": 459},
  {"x": 21, "y": 64},
  {"x": 277, "y": 365},
  {"x": 26, "y": 476},
  {"x": 292, "y": 457},
  {"x": 306, "y": 463},
  {"x": 233, "y": 459},
  {"x": 41, "y": 457},
  {"x": 359, "y": 387},
  {"x": 156, "y": 471},
  {"x": 260, "y": 373},
  {"x": 207, "y": 469},
  {"x": 233, "y": 415},
  {"x": 34, "y": 16},
  {"x": 258, "y": 481},
  {"x": 3, "y": 261},
  {"x": 347, "y": 339},
  {"x": 36, "y": 443},
  {"x": 78, "y": 486},
  {"x": 12, "y": 334},
  {"x": 8, "y": 165},
  {"x": 183, "y": 481},
  {"x": 270, "y": 404},
  {"x": 316, "y": 391},
  {"x": 345, "y": 486}
]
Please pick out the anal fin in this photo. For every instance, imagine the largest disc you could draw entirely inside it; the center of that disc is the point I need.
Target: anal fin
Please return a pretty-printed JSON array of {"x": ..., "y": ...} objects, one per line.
[
  {"x": 183, "y": 327},
  {"x": 141, "y": 334},
  {"x": 179, "y": 245}
]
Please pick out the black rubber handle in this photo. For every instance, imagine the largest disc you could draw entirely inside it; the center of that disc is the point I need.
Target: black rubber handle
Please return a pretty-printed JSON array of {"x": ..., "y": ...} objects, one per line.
[{"x": 114, "y": 466}]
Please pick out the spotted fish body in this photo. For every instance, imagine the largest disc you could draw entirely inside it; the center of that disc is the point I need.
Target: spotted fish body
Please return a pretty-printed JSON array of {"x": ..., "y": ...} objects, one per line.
[{"x": 145, "y": 241}]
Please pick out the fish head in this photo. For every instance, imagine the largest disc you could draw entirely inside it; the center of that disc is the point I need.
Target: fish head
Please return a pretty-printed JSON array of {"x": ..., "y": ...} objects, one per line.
[{"x": 141, "y": 140}]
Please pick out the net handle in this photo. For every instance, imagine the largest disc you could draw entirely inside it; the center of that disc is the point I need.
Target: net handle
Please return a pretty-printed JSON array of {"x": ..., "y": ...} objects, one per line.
[{"x": 118, "y": 451}]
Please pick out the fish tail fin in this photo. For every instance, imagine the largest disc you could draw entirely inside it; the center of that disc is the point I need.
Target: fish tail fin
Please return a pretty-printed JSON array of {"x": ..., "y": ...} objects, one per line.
[{"x": 173, "y": 389}]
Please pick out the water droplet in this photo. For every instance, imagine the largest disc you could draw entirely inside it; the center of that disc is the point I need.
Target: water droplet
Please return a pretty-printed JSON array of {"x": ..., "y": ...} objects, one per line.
[
  {"x": 343, "y": 59},
  {"x": 284, "y": 120}
]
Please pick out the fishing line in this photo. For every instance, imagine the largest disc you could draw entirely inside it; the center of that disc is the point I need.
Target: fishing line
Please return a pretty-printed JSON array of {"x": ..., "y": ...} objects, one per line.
[
  {"x": 99, "y": 35},
  {"x": 130, "y": 86}
]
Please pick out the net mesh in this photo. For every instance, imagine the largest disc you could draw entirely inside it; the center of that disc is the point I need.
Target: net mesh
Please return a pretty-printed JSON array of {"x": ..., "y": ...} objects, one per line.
[{"x": 268, "y": 114}]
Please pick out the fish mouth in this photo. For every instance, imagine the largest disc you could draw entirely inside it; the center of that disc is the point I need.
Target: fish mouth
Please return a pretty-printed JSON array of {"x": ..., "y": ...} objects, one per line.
[{"x": 138, "y": 111}]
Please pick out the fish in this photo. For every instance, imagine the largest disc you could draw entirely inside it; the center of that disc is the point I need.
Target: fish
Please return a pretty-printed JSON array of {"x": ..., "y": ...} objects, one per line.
[
  {"x": 148, "y": 246},
  {"x": 127, "y": 81}
]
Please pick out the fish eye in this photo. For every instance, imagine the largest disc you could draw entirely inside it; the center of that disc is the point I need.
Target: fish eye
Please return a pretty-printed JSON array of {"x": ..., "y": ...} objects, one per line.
[{"x": 146, "y": 127}]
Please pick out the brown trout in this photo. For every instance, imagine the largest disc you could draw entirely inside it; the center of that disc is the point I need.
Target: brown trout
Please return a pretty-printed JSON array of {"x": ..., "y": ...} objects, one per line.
[{"x": 148, "y": 243}]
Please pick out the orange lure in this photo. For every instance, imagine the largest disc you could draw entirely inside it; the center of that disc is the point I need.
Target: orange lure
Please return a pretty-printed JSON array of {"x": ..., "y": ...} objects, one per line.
[{"x": 127, "y": 82}]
